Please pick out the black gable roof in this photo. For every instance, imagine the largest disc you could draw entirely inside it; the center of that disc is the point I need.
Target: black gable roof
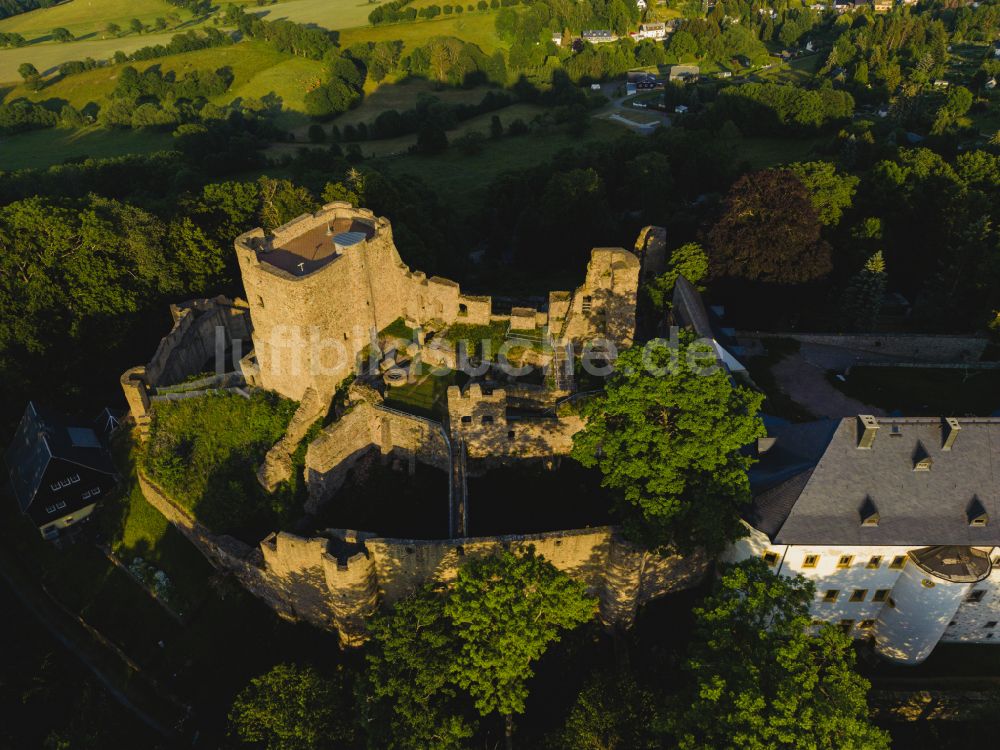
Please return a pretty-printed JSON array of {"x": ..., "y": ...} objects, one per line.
[
  {"x": 814, "y": 484},
  {"x": 42, "y": 437}
]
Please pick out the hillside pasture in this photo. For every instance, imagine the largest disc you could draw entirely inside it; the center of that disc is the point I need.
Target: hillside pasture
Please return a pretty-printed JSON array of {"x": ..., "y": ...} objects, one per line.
[
  {"x": 45, "y": 148},
  {"x": 50, "y": 55},
  {"x": 330, "y": 14},
  {"x": 258, "y": 69},
  {"x": 477, "y": 28},
  {"x": 88, "y": 17}
]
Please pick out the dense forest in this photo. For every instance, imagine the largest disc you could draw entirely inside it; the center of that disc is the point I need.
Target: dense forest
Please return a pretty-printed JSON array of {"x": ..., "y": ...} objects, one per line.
[{"x": 15, "y": 7}]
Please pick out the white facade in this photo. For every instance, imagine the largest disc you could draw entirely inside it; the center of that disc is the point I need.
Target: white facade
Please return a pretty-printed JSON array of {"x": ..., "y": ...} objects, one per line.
[{"x": 880, "y": 592}]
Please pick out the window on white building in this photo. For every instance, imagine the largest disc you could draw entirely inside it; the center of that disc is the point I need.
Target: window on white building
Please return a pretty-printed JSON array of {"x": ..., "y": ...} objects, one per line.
[
  {"x": 845, "y": 561},
  {"x": 859, "y": 595},
  {"x": 874, "y": 562},
  {"x": 830, "y": 595},
  {"x": 771, "y": 558},
  {"x": 880, "y": 595},
  {"x": 847, "y": 625},
  {"x": 898, "y": 562},
  {"x": 976, "y": 595},
  {"x": 810, "y": 561}
]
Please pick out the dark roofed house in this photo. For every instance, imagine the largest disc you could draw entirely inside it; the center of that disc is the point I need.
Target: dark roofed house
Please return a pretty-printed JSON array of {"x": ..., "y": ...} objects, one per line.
[
  {"x": 58, "y": 471},
  {"x": 922, "y": 474},
  {"x": 598, "y": 36}
]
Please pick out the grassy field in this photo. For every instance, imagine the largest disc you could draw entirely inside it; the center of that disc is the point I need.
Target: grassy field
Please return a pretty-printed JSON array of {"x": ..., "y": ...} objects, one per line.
[
  {"x": 761, "y": 153},
  {"x": 43, "y": 148},
  {"x": 258, "y": 69},
  {"x": 88, "y": 17},
  {"x": 49, "y": 56},
  {"x": 392, "y": 147},
  {"x": 402, "y": 96},
  {"x": 462, "y": 180},
  {"x": 477, "y": 28},
  {"x": 330, "y": 14}
]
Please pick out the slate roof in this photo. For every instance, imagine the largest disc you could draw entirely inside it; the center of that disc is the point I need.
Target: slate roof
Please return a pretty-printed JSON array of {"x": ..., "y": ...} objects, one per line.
[
  {"x": 42, "y": 437},
  {"x": 811, "y": 485}
]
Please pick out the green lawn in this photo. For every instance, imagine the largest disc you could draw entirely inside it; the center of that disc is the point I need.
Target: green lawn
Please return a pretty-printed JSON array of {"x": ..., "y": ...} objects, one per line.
[
  {"x": 44, "y": 148},
  {"x": 761, "y": 153},
  {"x": 462, "y": 180},
  {"x": 925, "y": 391},
  {"x": 205, "y": 452},
  {"x": 477, "y": 28},
  {"x": 403, "y": 95},
  {"x": 330, "y": 14},
  {"x": 89, "y": 17},
  {"x": 425, "y": 398},
  {"x": 798, "y": 71},
  {"x": 133, "y": 528},
  {"x": 50, "y": 55}
]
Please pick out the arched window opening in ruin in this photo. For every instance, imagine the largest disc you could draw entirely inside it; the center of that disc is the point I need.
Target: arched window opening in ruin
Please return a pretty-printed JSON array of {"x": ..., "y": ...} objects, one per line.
[{"x": 463, "y": 309}]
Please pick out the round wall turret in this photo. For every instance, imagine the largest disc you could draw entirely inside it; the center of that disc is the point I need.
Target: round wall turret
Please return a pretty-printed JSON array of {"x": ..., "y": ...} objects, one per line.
[{"x": 924, "y": 600}]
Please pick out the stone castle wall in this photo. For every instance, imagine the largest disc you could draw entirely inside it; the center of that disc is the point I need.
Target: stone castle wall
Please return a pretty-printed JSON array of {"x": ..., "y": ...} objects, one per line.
[
  {"x": 184, "y": 351},
  {"x": 892, "y": 346},
  {"x": 338, "y": 580},
  {"x": 309, "y": 328},
  {"x": 367, "y": 426},
  {"x": 480, "y": 417}
]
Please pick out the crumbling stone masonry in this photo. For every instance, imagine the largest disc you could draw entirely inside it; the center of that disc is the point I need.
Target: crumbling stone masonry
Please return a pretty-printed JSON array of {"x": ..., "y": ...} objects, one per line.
[
  {"x": 330, "y": 281},
  {"x": 338, "y": 579},
  {"x": 191, "y": 345},
  {"x": 321, "y": 284}
]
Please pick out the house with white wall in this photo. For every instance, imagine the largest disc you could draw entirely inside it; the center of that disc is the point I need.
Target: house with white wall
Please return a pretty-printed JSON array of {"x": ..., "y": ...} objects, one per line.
[{"x": 895, "y": 520}]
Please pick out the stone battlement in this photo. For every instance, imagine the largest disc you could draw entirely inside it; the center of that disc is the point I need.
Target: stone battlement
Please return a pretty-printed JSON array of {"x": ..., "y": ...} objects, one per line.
[{"x": 322, "y": 285}]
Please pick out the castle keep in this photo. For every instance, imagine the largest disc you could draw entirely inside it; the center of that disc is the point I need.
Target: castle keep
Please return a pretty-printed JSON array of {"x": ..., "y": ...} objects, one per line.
[{"x": 322, "y": 286}]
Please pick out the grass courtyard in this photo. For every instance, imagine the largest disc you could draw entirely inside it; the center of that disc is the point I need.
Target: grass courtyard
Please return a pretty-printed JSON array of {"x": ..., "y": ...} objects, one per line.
[{"x": 205, "y": 452}]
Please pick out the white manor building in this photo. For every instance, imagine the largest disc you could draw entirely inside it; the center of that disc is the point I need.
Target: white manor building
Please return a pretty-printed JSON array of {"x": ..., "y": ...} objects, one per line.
[{"x": 896, "y": 520}]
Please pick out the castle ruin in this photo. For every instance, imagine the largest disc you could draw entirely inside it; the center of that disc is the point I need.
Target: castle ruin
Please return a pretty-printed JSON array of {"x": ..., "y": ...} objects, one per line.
[{"x": 324, "y": 293}]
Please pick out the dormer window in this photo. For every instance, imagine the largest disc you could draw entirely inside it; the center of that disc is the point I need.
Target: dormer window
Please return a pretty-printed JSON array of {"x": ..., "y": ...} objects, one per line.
[
  {"x": 869, "y": 513},
  {"x": 923, "y": 464},
  {"x": 976, "y": 513}
]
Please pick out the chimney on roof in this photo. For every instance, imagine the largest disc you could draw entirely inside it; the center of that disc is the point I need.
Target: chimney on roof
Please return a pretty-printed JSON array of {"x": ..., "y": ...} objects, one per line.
[
  {"x": 765, "y": 444},
  {"x": 869, "y": 426},
  {"x": 952, "y": 428}
]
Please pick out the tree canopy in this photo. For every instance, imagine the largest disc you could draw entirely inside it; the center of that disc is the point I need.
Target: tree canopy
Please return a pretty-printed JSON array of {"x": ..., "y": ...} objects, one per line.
[
  {"x": 471, "y": 645},
  {"x": 293, "y": 708},
  {"x": 667, "y": 434},
  {"x": 769, "y": 231},
  {"x": 760, "y": 679}
]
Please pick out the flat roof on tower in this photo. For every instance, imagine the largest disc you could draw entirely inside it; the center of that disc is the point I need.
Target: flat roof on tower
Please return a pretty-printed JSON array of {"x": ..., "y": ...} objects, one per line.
[{"x": 311, "y": 250}]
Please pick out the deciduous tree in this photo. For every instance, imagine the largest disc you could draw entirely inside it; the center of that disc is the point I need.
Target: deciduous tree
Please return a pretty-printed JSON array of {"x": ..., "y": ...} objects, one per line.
[
  {"x": 761, "y": 680},
  {"x": 769, "y": 232},
  {"x": 667, "y": 434},
  {"x": 293, "y": 708},
  {"x": 443, "y": 656}
]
